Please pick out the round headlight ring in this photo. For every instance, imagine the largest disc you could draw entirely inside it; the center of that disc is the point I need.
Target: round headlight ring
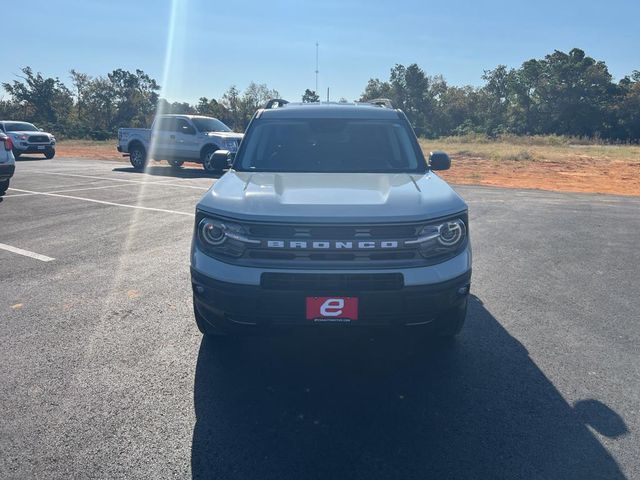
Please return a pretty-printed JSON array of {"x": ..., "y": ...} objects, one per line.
[
  {"x": 214, "y": 233},
  {"x": 451, "y": 233}
]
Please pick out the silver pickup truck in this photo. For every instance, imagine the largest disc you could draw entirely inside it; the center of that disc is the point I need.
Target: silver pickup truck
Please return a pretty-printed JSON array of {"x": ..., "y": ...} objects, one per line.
[{"x": 178, "y": 139}]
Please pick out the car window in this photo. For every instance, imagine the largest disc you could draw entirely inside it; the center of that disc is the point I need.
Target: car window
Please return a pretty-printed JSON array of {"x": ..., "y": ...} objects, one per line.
[
  {"x": 20, "y": 127},
  {"x": 166, "y": 124},
  {"x": 330, "y": 145},
  {"x": 182, "y": 126},
  {"x": 210, "y": 125}
]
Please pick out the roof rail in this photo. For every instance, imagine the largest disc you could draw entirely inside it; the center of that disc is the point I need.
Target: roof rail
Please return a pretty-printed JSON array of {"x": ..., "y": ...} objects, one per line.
[
  {"x": 381, "y": 102},
  {"x": 275, "y": 103}
]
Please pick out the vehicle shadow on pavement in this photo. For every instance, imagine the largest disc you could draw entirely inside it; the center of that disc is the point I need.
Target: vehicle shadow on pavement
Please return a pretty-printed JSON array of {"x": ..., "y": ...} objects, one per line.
[
  {"x": 336, "y": 406},
  {"x": 22, "y": 158},
  {"x": 162, "y": 171}
]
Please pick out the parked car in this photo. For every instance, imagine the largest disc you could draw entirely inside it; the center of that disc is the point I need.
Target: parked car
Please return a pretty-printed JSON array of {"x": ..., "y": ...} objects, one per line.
[
  {"x": 7, "y": 162},
  {"x": 27, "y": 138},
  {"x": 178, "y": 139},
  {"x": 330, "y": 214}
]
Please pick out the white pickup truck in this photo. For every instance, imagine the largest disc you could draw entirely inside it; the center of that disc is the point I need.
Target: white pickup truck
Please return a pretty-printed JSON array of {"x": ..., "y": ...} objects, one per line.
[{"x": 178, "y": 139}]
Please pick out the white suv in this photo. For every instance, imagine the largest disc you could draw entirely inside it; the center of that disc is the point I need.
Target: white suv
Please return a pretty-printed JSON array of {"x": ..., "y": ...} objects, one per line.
[
  {"x": 330, "y": 214},
  {"x": 27, "y": 138},
  {"x": 7, "y": 162}
]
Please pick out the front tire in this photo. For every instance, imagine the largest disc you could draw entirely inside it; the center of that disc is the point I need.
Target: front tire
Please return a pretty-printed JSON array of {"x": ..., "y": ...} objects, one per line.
[
  {"x": 50, "y": 153},
  {"x": 138, "y": 157},
  {"x": 450, "y": 322},
  {"x": 16, "y": 154},
  {"x": 207, "y": 160},
  {"x": 4, "y": 186}
]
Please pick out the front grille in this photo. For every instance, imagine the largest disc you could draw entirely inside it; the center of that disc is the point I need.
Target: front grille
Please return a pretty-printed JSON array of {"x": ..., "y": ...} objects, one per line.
[
  {"x": 333, "y": 232},
  {"x": 38, "y": 139},
  {"x": 329, "y": 246},
  {"x": 345, "y": 282},
  {"x": 263, "y": 255}
]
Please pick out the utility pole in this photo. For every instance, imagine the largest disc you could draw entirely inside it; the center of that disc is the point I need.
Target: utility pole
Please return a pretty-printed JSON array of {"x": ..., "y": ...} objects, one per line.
[
  {"x": 317, "y": 68},
  {"x": 327, "y": 94}
]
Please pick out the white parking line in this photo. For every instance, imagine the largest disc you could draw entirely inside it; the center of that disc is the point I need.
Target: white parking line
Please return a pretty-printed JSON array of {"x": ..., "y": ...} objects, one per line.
[
  {"x": 91, "y": 188},
  {"x": 26, "y": 253},
  {"x": 92, "y": 200},
  {"x": 69, "y": 190},
  {"x": 163, "y": 182}
]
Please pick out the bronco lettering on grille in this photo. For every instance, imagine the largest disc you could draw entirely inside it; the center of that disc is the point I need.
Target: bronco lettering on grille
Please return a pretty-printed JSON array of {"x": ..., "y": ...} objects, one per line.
[{"x": 332, "y": 245}]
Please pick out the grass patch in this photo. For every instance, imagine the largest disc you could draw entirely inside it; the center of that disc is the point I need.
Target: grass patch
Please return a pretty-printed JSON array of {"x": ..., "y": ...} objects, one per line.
[
  {"x": 530, "y": 149},
  {"x": 519, "y": 156}
]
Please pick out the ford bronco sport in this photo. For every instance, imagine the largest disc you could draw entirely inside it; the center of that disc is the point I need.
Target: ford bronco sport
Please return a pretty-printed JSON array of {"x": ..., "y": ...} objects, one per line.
[{"x": 330, "y": 214}]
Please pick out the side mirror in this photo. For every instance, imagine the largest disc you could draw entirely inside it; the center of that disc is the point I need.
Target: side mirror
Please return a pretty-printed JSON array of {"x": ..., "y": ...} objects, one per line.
[
  {"x": 439, "y": 161},
  {"x": 220, "y": 159}
]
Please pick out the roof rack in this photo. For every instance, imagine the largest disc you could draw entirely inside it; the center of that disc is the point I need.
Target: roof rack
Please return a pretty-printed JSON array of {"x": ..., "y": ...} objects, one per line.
[
  {"x": 275, "y": 103},
  {"x": 381, "y": 102}
]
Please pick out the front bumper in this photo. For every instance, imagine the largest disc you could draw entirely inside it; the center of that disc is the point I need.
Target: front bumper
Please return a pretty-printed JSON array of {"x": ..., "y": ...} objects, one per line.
[
  {"x": 237, "y": 307},
  {"x": 34, "y": 148},
  {"x": 6, "y": 171}
]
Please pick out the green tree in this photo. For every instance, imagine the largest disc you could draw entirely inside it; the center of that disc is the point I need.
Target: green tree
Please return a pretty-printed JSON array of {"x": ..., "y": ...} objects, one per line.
[
  {"x": 628, "y": 107},
  {"x": 231, "y": 101},
  {"x": 135, "y": 98},
  {"x": 574, "y": 95},
  {"x": 376, "y": 89},
  {"x": 46, "y": 101},
  {"x": 94, "y": 106},
  {"x": 310, "y": 96},
  {"x": 213, "y": 108}
]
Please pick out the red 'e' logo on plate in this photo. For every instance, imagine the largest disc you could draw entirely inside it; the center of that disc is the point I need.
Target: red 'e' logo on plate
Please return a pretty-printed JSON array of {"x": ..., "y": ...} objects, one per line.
[{"x": 332, "y": 308}]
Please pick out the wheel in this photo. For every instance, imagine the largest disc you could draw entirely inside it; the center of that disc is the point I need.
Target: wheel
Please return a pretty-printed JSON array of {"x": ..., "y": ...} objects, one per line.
[
  {"x": 207, "y": 160},
  {"x": 16, "y": 153},
  {"x": 50, "y": 153},
  {"x": 450, "y": 322},
  {"x": 176, "y": 163},
  {"x": 138, "y": 157},
  {"x": 4, "y": 185}
]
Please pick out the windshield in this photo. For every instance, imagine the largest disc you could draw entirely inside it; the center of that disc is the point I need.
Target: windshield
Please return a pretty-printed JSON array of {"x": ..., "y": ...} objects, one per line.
[
  {"x": 210, "y": 125},
  {"x": 20, "y": 127},
  {"x": 330, "y": 145}
]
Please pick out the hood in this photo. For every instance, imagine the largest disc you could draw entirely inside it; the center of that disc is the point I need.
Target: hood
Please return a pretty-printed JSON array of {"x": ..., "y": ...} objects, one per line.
[
  {"x": 29, "y": 133},
  {"x": 331, "y": 197},
  {"x": 224, "y": 134}
]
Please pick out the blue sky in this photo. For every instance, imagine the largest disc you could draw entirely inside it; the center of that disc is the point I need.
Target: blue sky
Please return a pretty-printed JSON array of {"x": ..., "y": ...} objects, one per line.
[{"x": 217, "y": 44}]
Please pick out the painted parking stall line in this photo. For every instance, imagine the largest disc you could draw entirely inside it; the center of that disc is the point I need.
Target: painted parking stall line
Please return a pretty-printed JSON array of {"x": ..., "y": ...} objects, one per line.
[
  {"x": 26, "y": 253},
  {"x": 139, "y": 182},
  {"x": 103, "y": 202}
]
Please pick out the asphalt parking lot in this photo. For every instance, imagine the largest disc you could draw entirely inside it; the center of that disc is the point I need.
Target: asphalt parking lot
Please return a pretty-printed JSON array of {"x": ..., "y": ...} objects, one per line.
[{"x": 103, "y": 373}]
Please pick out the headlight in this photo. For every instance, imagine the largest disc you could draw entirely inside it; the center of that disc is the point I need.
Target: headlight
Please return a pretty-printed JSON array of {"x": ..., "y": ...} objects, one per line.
[
  {"x": 230, "y": 145},
  {"x": 219, "y": 237},
  {"x": 451, "y": 233},
  {"x": 443, "y": 239}
]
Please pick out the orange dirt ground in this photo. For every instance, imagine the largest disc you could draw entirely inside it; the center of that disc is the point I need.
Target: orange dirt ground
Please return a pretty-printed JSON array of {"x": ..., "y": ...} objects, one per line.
[
  {"x": 569, "y": 172},
  {"x": 616, "y": 177}
]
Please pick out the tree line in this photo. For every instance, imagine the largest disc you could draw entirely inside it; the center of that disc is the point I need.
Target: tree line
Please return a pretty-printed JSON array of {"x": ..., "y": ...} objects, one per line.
[{"x": 562, "y": 94}]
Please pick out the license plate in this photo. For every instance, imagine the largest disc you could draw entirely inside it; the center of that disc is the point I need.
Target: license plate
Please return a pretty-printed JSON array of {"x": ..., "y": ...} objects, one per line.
[
  {"x": 40, "y": 147},
  {"x": 332, "y": 309}
]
